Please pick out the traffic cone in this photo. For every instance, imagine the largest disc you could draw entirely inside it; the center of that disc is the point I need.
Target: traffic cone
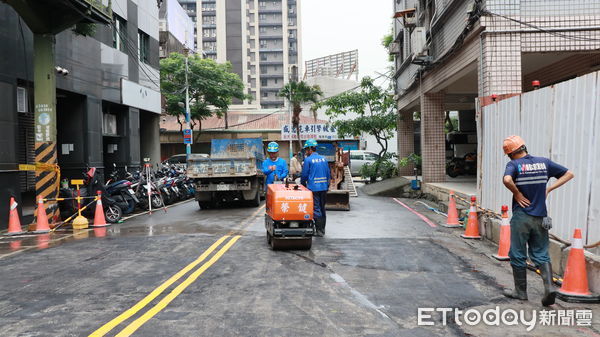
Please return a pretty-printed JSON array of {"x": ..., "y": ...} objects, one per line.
[
  {"x": 99, "y": 220},
  {"x": 472, "y": 229},
  {"x": 42, "y": 219},
  {"x": 575, "y": 283},
  {"x": 14, "y": 223},
  {"x": 504, "y": 243},
  {"x": 452, "y": 221}
]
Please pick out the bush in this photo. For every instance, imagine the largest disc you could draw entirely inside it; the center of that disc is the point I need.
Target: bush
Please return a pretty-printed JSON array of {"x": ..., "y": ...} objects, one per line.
[{"x": 383, "y": 167}]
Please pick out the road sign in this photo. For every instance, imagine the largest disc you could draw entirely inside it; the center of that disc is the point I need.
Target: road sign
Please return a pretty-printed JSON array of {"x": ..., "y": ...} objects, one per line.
[
  {"x": 187, "y": 132},
  {"x": 187, "y": 140}
]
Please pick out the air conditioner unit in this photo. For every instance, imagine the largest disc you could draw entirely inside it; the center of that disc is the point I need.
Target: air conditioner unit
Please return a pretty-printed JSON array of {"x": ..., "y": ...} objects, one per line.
[
  {"x": 22, "y": 99},
  {"x": 418, "y": 41}
]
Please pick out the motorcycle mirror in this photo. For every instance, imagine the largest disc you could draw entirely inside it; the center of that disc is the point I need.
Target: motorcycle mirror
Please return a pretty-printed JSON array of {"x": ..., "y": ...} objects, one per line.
[
  {"x": 125, "y": 168},
  {"x": 114, "y": 165}
]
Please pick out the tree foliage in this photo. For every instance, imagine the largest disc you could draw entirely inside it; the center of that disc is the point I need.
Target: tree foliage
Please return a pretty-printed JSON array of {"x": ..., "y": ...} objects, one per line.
[
  {"x": 373, "y": 107},
  {"x": 386, "y": 42},
  {"x": 212, "y": 87},
  {"x": 299, "y": 93}
]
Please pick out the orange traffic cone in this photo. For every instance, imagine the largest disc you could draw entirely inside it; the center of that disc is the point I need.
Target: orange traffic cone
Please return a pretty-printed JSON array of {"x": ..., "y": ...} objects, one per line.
[
  {"x": 575, "y": 283},
  {"x": 452, "y": 221},
  {"x": 472, "y": 229},
  {"x": 99, "y": 220},
  {"x": 42, "y": 219},
  {"x": 14, "y": 223},
  {"x": 504, "y": 243}
]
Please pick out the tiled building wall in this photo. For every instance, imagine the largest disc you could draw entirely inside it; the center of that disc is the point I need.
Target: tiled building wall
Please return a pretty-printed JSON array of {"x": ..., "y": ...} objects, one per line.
[
  {"x": 433, "y": 143},
  {"x": 406, "y": 139}
]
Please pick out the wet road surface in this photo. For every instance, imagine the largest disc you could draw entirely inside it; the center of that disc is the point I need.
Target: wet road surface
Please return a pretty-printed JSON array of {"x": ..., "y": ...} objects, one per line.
[{"x": 191, "y": 272}]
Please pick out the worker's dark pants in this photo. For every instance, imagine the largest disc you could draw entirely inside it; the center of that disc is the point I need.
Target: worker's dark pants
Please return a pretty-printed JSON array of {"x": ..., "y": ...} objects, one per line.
[
  {"x": 319, "y": 199},
  {"x": 526, "y": 230}
]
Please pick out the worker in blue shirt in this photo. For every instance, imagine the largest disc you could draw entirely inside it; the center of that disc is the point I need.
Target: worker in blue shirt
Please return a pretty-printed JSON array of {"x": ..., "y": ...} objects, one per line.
[
  {"x": 316, "y": 176},
  {"x": 274, "y": 168},
  {"x": 527, "y": 178}
]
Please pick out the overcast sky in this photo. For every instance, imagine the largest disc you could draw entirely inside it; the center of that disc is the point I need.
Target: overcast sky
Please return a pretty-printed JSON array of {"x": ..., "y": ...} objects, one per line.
[{"x": 333, "y": 26}]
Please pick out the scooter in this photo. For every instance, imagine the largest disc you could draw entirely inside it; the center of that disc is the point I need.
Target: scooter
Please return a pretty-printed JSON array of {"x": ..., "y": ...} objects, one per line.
[
  {"x": 122, "y": 192},
  {"x": 92, "y": 184}
]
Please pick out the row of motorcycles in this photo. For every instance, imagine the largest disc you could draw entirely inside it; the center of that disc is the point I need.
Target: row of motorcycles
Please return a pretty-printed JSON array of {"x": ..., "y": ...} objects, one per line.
[{"x": 123, "y": 194}]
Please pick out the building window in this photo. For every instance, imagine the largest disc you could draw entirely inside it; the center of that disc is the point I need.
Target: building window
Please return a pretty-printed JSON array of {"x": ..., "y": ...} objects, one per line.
[
  {"x": 275, "y": 80},
  {"x": 209, "y": 32},
  {"x": 208, "y": 6},
  {"x": 263, "y": 70},
  {"x": 262, "y": 29},
  {"x": 263, "y": 83},
  {"x": 209, "y": 20},
  {"x": 262, "y": 17},
  {"x": 209, "y": 46},
  {"x": 119, "y": 33},
  {"x": 262, "y": 4},
  {"x": 143, "y": 46},
  {"x": 263, "y": 57},
  {"x": 263, "y": 44},
  {"x": 265, "y": 94}
]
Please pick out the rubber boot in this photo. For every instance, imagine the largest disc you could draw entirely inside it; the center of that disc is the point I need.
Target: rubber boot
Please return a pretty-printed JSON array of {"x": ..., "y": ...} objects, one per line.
[
  {"x": 319, "y": 230},
  {"x": 520, "y": 291},
  {"x": 549, "y": 289}
]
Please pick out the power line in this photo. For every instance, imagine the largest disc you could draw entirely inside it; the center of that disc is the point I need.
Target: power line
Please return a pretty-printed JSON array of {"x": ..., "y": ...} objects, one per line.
[{"x": 530, "y": 25}]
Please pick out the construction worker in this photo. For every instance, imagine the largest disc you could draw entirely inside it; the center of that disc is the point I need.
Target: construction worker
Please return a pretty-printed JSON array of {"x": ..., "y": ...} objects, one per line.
[
  {"x": 526, "y": 177},
  {"x": 316, "y": 176},
  {"x": 274, "y": 168}
]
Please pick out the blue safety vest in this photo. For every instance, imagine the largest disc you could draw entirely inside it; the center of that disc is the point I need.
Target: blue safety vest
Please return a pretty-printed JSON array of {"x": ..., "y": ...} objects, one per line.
[
  {"x": 315, "y": 173},
  {"x": 280, "y": 169}
]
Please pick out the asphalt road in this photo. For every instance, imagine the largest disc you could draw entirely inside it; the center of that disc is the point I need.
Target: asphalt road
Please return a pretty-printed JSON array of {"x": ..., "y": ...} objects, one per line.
[{"x": 191, "y": 272}]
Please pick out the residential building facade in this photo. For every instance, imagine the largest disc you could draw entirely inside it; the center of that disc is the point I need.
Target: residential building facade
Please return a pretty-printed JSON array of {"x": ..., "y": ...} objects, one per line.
[
  {"x": 176, "y": 29},
  {"x": 455, "y": 55},
  {"x": 107, "y": 106},
  {"x": 261, "y": 39}
]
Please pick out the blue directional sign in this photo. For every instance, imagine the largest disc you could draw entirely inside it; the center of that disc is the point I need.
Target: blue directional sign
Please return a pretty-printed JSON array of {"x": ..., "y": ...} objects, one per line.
[{"x": 187, "y": 132}]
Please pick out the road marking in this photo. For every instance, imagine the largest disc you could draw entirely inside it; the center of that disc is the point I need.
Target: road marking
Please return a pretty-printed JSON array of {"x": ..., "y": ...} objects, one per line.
[
  {"x": 174, "y": 293},
  {"x": 427, "y": 221},
  {"x": 131, "y": 328},
  {"x": 141, "y": 304}
]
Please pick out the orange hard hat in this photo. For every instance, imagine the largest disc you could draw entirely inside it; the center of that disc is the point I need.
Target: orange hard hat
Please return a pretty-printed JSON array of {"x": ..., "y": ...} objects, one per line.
[{"x": 512, "y": 144}]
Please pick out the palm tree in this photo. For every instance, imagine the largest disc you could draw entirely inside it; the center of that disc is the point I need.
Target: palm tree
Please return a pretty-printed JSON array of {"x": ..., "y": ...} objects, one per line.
[{"x": 298, "y": 93}]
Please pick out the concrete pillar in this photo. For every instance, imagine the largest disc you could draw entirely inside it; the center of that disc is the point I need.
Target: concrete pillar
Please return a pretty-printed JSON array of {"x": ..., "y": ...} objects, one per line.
[
  {"x": 406, "y": 140},
  {"x": 149, "y": 136},
  {"x": 433, "y": 144}
]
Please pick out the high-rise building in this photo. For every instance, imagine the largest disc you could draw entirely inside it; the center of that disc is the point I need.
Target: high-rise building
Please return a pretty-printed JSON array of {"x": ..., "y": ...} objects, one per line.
[{"x": 261, "y": 39}]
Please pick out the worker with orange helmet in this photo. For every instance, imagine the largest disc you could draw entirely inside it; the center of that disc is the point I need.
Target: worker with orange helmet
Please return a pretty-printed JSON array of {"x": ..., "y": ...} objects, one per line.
[{"x": 527, "y": 178}]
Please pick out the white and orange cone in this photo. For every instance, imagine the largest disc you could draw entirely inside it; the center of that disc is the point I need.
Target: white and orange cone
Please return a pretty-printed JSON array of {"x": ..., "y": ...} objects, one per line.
[
  {"x": 14, "y": 223},
  {"x": 42, "y": 225},
  {"x": 472, "y": 228},
  {"x": 99, "y": 219},
  {"x": 504, "y": 242},
  {"x": 452, "y": 220},
  {"x": 575, "y": 282}
]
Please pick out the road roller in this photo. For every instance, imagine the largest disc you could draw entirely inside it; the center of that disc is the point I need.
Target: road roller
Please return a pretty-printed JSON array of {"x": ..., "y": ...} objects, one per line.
[{"x": 289, "y": 216}]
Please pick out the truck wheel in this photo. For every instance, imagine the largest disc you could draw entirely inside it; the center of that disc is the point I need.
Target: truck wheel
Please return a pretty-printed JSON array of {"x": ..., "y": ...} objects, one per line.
[
  {"x": 203, "y": 204},
  {"x": 256, "y": 201}
]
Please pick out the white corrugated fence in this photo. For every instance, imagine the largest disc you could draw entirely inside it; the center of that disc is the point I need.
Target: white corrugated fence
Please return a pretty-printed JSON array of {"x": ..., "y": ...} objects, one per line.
[{"x": 561, "y": 122}]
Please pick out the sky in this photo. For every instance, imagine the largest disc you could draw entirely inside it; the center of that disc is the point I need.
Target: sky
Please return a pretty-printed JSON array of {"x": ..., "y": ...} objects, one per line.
[{"x": 333, "y": 26}]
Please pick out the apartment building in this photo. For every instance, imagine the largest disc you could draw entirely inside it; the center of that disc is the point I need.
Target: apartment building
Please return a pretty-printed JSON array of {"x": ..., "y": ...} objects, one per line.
[
  {"x": 457, "y": 55},
  {"x": 261, "y": 39}
]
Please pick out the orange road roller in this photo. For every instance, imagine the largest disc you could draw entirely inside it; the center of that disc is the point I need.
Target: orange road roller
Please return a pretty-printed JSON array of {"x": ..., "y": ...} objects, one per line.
[{"x": 289, "y": 216}]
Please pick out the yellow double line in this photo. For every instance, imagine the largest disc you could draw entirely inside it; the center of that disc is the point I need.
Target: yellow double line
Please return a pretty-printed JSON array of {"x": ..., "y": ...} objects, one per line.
[{"x": 137, "y": 323}]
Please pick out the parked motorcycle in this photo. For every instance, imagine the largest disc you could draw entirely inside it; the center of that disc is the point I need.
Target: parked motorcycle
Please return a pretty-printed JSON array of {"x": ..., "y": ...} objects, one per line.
[
  {"x": 112, "y": 208},
  {"x": 462, "y": 166}
]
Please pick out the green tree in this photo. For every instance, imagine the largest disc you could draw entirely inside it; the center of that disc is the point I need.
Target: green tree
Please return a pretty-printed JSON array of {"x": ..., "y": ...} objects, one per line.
[
  {"x": 212, "y": 87},
  {"x": 375, "y": 112},
  {"x": 299, "y": 93},
  {"x": 386, "y": 42}
]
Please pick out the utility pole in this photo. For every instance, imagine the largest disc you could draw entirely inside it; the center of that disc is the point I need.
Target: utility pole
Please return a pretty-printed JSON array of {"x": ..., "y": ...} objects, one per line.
[{"x": 188, "y": 145}]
